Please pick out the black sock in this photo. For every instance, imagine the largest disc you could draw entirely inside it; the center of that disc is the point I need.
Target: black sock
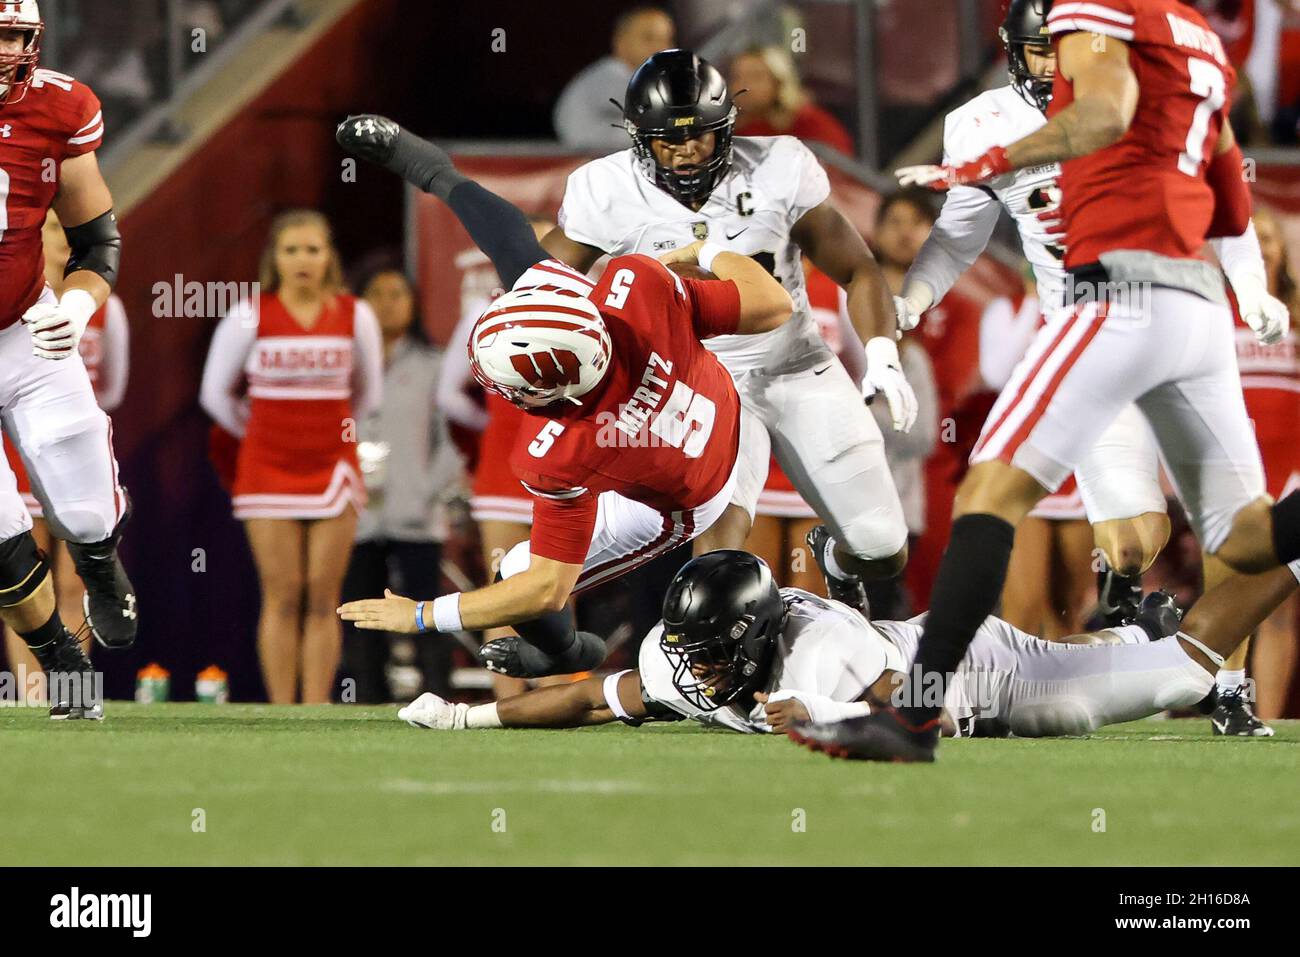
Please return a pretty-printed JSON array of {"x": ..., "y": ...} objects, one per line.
[
  {"x": 553, "y": 633},
  {"x": 424, "y": 165},
  {"x": 52, "y": 630},
  {"x": 1286, "y": 528},
  {"x": 498, "y": 228},
  {"x": 966, "y": 591}
]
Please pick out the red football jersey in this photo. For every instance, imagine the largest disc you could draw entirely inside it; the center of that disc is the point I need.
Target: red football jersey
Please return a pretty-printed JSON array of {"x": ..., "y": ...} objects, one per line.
[
  {"x": 662, "y": 427},
  {"x": 1148, "y": 191},
  {"x": 59, "y": 118}
]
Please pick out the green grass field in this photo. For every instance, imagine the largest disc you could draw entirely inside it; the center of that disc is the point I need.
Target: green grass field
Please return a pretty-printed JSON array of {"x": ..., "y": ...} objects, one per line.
[{"x": 348, "y": 785}]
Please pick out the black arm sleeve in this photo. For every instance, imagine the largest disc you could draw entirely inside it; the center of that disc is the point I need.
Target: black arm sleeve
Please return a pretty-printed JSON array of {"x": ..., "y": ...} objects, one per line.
[
  {"x": 96, "y": 246},
  {"x": 496, "y": 226}
]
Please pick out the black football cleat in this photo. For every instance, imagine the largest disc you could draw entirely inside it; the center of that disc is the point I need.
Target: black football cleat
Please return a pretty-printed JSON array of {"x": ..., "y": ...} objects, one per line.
[
  {"x": 109, "y": 601},
  {"x": 880, "y": 736},
  {"x": 1158, "y": 615},
  {"x": 369, "y": 136},
  {"x": 1118, "y": 597},
  {"x": 517, "y": 658},
  {"x": 1233, "y": 717},
  {"x": 71, "y": 680},
  {"x": 850, "y": 591}
]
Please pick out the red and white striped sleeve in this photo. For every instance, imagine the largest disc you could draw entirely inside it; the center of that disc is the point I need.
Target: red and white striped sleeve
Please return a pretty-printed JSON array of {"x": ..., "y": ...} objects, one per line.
[
  {"x": 1112, "y": 18},
  {"x": 89, "y": 117},
  {"x": 552, "y": 272}
]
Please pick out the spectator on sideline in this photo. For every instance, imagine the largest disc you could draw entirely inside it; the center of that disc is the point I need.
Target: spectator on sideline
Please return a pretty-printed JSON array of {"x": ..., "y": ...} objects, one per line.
[
  {"x": 774, "y": 103},
  {"x": 290, "y": 374},
  {"x": 105, "y": 351},
  {"x": 411, "y": 470},
  {"x": 584, "y": 116}
]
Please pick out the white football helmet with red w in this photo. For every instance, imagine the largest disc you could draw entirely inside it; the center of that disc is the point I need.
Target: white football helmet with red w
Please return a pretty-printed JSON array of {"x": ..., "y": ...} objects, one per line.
[
  {"x": 540, "y": 345},
  {"x": 17, "y": 66}
]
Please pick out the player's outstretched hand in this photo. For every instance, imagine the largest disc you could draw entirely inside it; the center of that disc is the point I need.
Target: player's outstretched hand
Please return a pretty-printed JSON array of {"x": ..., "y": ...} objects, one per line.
[
  {"x": 780, "y": 714},
  {"x": 885, "y": 375},
  {"x": 369, "y": 136},
  {"x": 390, "y": 613},
  {"x": 991, "y": 164}
]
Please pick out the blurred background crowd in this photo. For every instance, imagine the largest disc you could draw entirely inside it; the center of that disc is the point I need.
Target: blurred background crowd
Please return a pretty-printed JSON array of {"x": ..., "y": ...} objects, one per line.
[{"x": 235, "y": 101}]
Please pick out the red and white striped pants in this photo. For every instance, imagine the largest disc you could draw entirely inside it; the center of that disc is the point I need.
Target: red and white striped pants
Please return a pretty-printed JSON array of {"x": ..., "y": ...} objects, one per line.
[{"x": 1173, "y": 354}]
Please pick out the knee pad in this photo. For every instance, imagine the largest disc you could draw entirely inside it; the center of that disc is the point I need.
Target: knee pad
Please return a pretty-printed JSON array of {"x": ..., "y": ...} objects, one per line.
[
  {"x": 875, "y": 535},
  {"x": 23, "y": 569}
]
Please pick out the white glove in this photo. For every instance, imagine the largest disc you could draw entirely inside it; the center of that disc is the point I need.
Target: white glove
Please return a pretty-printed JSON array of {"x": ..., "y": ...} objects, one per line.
[
  {"x": 56, "y": 328},
  {"x": 920, "y": 175},
  {"x": 437, "y": 714},
  {"x": 912, "y": 304},
  {"x": 885, "y": 374},
  {"x": 1266, "y": 315}
]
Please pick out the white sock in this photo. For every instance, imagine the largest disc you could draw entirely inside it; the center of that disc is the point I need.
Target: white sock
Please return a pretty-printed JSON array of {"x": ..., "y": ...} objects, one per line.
[
  {"x": 1230, "y": 680},
  {"x": 482, "y": 716},
  {"x": 832, "y": 566},
  {"x": 1131, "y": 634}
]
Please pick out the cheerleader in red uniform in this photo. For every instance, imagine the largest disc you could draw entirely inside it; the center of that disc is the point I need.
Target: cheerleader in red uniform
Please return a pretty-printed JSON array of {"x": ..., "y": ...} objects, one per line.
[
  {"x": 104, "y": 350},
  {"x": 290, "y": 374},
  {"x": 1270, "y": 379}
]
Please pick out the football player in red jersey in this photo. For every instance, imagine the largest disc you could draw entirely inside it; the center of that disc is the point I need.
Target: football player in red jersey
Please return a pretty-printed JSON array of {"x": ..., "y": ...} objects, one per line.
[
  {"x": 638, "y": 430},
  {"x": 1150, "y": 171},
  {"x": 50, "y": 126}
]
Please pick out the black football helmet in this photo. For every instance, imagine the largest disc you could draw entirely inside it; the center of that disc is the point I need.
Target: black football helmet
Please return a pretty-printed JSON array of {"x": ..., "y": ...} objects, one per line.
[
  {"x": 722, "y": 616},
  {"x": 675, "y": 95},
  {"x": 1026, "y": 25}
]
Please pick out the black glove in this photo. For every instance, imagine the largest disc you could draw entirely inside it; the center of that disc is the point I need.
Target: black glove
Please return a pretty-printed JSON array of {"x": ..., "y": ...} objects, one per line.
[{"x": 369, "y": 136}]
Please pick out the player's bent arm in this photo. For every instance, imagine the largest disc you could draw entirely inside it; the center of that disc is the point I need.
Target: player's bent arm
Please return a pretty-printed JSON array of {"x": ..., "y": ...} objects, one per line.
[
  {"x": 84, "y": 206},
  {"x": 1105, "y": 99},
  {"x": 578, "y": 704},
  {"x": 570, "y": 252},
  {"x": 959, "y": 235},
  {"x": 838, "y": 250},
  {"x": 764, "y": 303},
  {"x": 543, "y": 587}
]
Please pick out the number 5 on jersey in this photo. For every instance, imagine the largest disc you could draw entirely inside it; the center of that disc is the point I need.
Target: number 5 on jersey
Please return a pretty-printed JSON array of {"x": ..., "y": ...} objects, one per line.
[{"x": 545, "y": 439}]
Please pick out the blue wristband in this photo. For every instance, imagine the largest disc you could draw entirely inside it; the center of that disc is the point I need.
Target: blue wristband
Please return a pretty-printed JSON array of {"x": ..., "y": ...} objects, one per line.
[{"x": 419, "y": 617}]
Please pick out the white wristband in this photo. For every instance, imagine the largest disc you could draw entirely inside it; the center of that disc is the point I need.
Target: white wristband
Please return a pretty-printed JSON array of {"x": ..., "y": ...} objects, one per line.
[
  {"x": 823, "y": 709},
  {"x": 708, "y": 253},
  {"x": 446, "y": 612}
]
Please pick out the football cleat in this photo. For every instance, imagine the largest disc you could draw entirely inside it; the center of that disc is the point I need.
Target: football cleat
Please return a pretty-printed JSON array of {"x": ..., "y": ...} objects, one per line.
[
  {"x": 517, "y": 658},
  {"x": 880, "y": 736},
  {"x": 850, "y": 591},
  {"x": 71, "y": 680},
  {"x": 1158, "y": 615},
  {"x": 109, "y": 601},
  {"x": 369, "y": 136},
  {"x": 1233, "y": 717},
  {"x": 1118, "y": 597}
]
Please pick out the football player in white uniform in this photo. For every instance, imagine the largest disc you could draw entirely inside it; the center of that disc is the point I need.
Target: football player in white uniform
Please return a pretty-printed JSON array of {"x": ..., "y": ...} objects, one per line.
[
  {"x": 686, "y": 179},
  {"x": 734, "y": 651},
  {"x": 1120, "y": 479}
]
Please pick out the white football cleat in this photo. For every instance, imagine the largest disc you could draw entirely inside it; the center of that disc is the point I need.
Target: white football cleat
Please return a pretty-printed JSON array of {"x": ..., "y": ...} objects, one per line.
[{"x": 429, "y": 711}]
